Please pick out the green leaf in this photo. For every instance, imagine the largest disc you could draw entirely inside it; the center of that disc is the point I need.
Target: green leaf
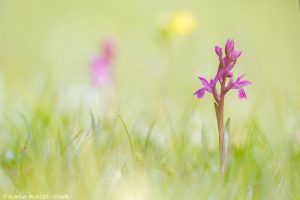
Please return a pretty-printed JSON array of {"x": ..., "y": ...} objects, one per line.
[
  {"x": 226, "y": 139},
  {"x": 227, "y": 125},
  {"x": 129, "y": 137}
]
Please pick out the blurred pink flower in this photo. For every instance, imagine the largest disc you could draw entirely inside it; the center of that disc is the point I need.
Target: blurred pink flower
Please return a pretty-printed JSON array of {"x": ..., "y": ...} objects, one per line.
[{"x": 101, "y": 65}]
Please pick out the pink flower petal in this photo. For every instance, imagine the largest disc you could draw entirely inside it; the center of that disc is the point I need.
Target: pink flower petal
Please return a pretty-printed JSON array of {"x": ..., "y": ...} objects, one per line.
[
  {"x": 242, "y": 94},
  {"x": 204, "y": 82},
  {"x": 200, "y": 93},
  {"x": 238, "y": 84},
  {"x": 220, "y": 74},
  {"x": 244, "y": 83},
  {"x": 239, "y": 78},
  {"x": 100, "y": 70},
  {"x": 229, "y": 74},
  {"x": 236, "y": 54}
]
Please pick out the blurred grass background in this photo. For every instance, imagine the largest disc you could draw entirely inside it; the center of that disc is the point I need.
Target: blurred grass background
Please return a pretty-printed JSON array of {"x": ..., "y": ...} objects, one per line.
[{"x": 75, "y": 141}]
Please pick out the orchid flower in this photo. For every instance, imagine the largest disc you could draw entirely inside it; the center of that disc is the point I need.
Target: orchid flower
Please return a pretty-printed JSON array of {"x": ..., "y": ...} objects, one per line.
[
  {"x": 224, "y": 77},
  {"x": 100, "y": 66},
  {"x": 207, "y": 87},
  {"x": 239, "y": 84},
  {"x": 227, "y": 63}
]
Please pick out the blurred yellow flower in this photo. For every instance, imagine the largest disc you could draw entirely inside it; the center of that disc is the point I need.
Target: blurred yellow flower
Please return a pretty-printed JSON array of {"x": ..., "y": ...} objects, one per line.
[{"x": 181, "y": 23}]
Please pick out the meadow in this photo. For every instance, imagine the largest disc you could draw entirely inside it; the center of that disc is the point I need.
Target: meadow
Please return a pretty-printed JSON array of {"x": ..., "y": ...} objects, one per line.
[{"x": 146, "y": 136}]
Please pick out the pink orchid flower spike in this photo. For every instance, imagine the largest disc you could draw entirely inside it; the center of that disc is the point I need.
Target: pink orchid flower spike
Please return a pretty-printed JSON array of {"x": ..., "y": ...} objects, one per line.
[
  {"x": 101, "y": 65},
  {"x": 225, "y": 79}
]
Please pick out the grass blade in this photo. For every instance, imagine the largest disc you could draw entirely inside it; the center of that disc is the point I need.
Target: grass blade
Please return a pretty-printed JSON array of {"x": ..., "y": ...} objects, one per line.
[{"x": 128, "y": 136}]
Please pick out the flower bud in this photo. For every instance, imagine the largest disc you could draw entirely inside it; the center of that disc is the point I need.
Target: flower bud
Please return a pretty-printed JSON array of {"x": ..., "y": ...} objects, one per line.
[
  {"x": 229, "y": 74},
  {"x": 235, "y": 54},
  {"x": 229, "y": 47},
  {"x": 218, "y": 51}
]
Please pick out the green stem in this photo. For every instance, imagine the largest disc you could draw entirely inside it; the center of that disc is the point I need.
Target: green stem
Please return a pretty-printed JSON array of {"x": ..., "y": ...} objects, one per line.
[{"x": 220, "y": 120}]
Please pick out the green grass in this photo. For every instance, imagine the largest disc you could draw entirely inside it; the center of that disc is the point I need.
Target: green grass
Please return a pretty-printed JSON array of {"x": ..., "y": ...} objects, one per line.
[
  {"x": 109, "y": 158},
  {"x": 148, "y": 137}
]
